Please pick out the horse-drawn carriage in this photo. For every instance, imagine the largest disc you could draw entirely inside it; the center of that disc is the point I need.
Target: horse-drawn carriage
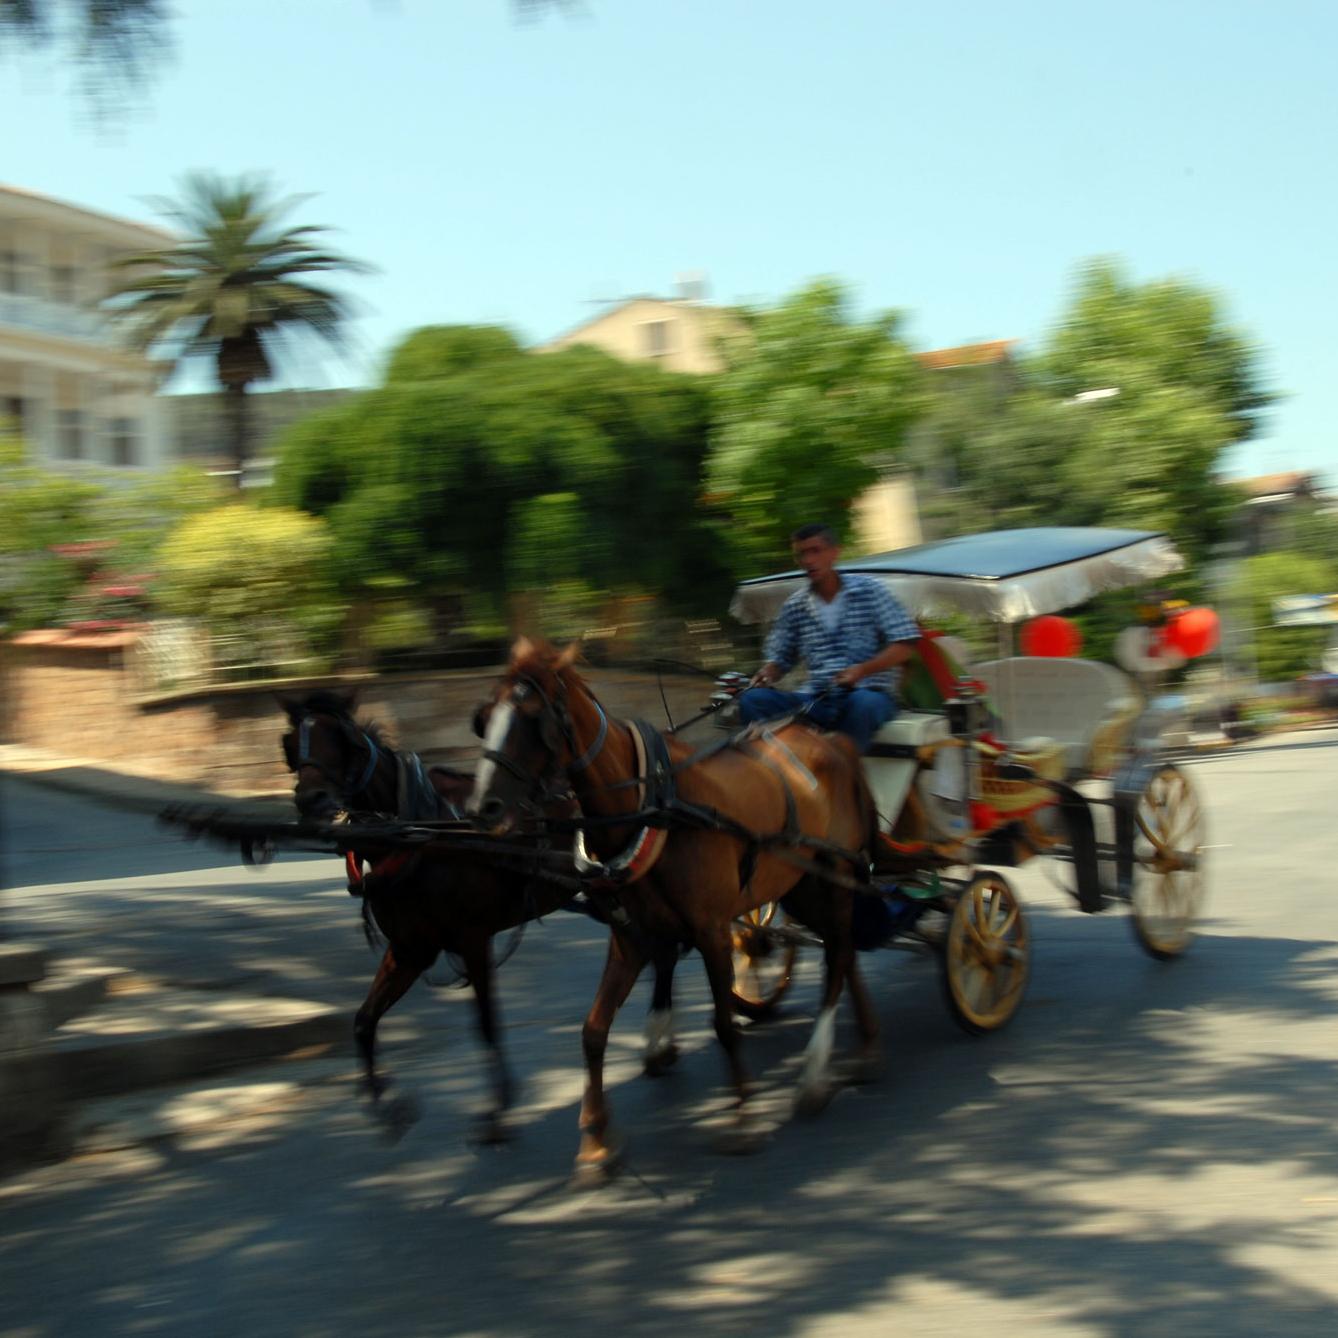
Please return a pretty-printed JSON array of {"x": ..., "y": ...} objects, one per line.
[
  {"x": 715, "y": 846},
  {"x": 1018, "y": 757}
]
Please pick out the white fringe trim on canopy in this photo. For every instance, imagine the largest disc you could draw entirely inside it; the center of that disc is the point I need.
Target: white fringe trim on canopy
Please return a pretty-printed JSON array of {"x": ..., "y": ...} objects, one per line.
[{"x": 1005, "y": 599}]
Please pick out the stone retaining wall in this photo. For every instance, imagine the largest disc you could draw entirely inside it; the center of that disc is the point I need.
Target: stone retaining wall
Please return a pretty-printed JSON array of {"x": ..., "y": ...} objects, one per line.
[{"x": 77, "y": 695}]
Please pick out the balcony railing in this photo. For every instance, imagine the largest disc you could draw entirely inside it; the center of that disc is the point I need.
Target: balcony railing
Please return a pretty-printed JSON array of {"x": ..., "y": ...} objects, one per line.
[{"x": 39, "y": 316}]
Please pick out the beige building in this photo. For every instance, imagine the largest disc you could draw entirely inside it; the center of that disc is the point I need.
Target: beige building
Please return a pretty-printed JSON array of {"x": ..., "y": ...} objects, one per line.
[
  {"x": 79, "y": 397},
  {"x": 680, "y": 334}
]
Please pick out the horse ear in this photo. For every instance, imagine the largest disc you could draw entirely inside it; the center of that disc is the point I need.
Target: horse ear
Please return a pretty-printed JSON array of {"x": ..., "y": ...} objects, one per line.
[
  {"x": 348, "y": 698},
  {"x": 290, "y": 706},
  {"x": 569, "y": 656}
]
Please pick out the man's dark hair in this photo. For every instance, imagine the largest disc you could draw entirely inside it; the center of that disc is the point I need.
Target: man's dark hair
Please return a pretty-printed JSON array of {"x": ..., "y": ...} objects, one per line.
[{"x": 823, "y": 532}]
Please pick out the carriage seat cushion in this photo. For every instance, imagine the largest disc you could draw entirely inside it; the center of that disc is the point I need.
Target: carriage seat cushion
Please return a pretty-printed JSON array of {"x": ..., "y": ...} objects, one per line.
[
  {"x": 1066, "y": 700},
  {"x": 912, "y": 729}
]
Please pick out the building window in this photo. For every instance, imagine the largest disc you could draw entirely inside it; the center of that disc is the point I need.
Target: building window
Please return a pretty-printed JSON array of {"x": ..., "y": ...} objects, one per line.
[
  {"x": 124, "y": 441},
  {"x": 11, "y": 412},
  {"x": 70, "y": 427},
  {"x": 11, "y": 272},
  {"x": 655, "y": 335},
  {"x": 63, "y": 285}
]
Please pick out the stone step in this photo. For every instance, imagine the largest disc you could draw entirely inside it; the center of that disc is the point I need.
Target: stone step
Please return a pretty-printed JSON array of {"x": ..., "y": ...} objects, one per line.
[
  {"x": 146, "y": 1037},
  {"x": 75, "y": 985}
]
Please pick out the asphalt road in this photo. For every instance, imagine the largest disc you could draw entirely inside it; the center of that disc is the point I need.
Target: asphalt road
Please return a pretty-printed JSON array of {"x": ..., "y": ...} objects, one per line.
[{"x": 1151, "y": 1148}]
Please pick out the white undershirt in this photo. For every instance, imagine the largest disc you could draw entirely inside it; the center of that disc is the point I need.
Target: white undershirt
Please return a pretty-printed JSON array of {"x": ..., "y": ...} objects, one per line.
[{"x": 829, "y": 611}]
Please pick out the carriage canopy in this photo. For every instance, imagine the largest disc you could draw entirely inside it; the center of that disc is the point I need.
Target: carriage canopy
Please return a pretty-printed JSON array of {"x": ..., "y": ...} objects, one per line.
[{"x": 1004, "y": 576}]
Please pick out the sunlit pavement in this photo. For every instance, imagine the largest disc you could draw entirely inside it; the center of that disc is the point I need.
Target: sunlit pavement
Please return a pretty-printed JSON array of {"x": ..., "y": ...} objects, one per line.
[{"x": 1150, "y": 1148}]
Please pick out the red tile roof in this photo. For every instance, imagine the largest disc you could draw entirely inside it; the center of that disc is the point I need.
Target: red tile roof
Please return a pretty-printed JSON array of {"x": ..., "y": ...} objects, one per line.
[
  {"x": 967, "y": 355},
  {"x": 1275, "y": 485}
]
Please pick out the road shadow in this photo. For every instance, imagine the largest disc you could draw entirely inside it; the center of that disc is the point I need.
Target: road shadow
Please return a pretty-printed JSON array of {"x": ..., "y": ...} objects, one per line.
[{"x": 1093, "y": 1167}]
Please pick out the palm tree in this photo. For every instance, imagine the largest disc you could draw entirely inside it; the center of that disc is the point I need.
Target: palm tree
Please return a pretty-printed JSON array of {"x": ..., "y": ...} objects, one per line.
[{"x": 234, "y": 285}]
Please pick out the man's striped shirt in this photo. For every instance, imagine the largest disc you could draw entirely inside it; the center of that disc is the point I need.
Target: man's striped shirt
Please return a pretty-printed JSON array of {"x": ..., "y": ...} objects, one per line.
[{"x": 869, "y": 619}]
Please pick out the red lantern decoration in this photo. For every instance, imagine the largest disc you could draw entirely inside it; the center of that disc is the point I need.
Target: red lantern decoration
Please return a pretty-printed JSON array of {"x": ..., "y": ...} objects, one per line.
[
  {"x": 1051, "y": 636},
  {"x": 1193, "y": 632}
]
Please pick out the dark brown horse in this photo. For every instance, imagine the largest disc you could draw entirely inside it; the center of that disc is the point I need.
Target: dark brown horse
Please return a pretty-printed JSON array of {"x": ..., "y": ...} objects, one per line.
[
  {"x": 441, "y": 902},
  {"x": 800, "y": 790}
]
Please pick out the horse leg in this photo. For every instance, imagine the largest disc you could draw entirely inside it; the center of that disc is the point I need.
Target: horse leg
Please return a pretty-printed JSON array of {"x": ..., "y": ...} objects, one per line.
[
  {"x": 869, "y": 1061},
  {"x": 621, "y": 968},
  {"x": 815, "y": 1081},
  {"x": 716, "y": 948},
  {"x": 661, "y": 1049},
  {"x": 393, "y": 978},
  {"x": 476, "y": 954}
]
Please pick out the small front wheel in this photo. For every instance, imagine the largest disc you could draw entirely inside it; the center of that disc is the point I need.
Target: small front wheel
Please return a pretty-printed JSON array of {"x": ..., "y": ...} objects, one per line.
[
  {"x": 763, "y": 963},
  {"x": 986, "y": 955}
]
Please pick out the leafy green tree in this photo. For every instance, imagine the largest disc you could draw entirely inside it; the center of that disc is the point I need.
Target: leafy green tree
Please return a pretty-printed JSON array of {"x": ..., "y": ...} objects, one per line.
[
  {"x": 1284, "y": 653},
  {"x": 511, "y": 469},
  {"x": 810, "y": 403},
  {"x": 437, "y": 351},
  {"x": 259, "y": 574},
  {"x": 237, "y": 284},
  {"x": 40, "y": 513},
  {"x": 1122, "y": 418}
]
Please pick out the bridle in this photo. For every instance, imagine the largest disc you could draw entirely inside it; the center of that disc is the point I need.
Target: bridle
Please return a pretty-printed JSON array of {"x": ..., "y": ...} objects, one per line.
[
  {"x": 354, "y": 782},
  {"x": 555, "y": 729}
]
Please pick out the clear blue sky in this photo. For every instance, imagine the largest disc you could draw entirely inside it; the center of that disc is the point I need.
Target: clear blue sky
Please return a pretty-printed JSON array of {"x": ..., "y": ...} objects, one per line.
[{"x": 952, "y": 161}]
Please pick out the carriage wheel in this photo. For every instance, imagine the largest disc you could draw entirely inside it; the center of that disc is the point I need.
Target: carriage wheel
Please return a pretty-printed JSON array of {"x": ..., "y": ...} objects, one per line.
[
  {"x": 986, "y": 956},
  {"x": 1168, "y": 847},
  {"x": 763, "y": 963}
]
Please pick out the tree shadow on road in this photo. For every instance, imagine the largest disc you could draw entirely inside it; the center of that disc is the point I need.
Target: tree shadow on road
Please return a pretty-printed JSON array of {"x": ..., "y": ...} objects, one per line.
[{"x": 1136, "y": 1155}]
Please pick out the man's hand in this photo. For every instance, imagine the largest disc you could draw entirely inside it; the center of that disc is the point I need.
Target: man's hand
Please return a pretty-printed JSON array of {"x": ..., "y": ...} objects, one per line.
[
  {"x": 848, "y": 677},
  {"x": 767, "y": 675}
]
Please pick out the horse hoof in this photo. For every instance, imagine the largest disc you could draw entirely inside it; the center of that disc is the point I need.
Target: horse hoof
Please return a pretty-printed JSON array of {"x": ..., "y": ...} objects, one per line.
[
  {"x": 492, "y": 1130},
  {"x": 813, "y": 1100},
  {"x": 396, "y": 1116},
  {"x": 658, "y": 1064},
  {"x": 596, "y": 1167}
]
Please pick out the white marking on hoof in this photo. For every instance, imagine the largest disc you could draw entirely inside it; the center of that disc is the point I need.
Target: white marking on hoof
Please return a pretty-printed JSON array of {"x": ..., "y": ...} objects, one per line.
[
  {"x": 659, "y": 1032},
  {"x": 818, "y": 1055}
]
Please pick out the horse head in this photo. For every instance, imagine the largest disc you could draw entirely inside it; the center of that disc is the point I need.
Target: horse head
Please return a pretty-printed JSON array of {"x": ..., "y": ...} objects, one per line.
[
  {"x": 529, "y": 739},
  {"x": 334, "y": 759}
]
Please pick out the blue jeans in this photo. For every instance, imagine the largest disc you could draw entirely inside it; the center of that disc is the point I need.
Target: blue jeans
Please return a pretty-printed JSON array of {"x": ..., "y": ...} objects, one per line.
[{"x": 858, "y": 713}]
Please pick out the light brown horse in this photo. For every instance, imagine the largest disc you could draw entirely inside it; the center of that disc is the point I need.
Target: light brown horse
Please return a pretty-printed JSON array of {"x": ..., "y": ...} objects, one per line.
[
  {"x": 442, "y": 902},
  {"x": 546, "y": 728}
]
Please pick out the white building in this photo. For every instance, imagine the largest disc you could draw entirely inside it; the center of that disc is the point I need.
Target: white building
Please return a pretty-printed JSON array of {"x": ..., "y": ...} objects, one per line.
[{"x": 79, "y": 396}]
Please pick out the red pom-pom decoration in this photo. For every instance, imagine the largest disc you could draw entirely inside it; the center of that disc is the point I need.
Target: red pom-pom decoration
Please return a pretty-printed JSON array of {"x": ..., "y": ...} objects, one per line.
[
  {"x": 1193, "y": 632},
  {"x": 1051, "y": 636}
]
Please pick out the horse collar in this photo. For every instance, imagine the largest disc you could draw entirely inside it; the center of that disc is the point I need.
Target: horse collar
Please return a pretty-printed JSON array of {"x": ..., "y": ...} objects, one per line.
[{"x": 595, "y": 748}]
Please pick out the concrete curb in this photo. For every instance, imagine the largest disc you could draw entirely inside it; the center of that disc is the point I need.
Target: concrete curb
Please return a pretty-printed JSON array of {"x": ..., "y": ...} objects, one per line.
[
  {"x": 155, "y": 1037},
  {"x": 139, "y": 794}
]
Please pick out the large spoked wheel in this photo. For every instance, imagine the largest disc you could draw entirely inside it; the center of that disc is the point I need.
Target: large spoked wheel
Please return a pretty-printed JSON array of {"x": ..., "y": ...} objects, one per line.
[
  {"x": 763, "y": 963},
  {"x": 986, "y": 955},
  {"x": 1168, "y": 850}
]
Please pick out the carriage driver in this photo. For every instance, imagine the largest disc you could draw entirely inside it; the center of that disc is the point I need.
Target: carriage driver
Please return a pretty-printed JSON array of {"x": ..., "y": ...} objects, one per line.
[{"x": 849, "y": 631}]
